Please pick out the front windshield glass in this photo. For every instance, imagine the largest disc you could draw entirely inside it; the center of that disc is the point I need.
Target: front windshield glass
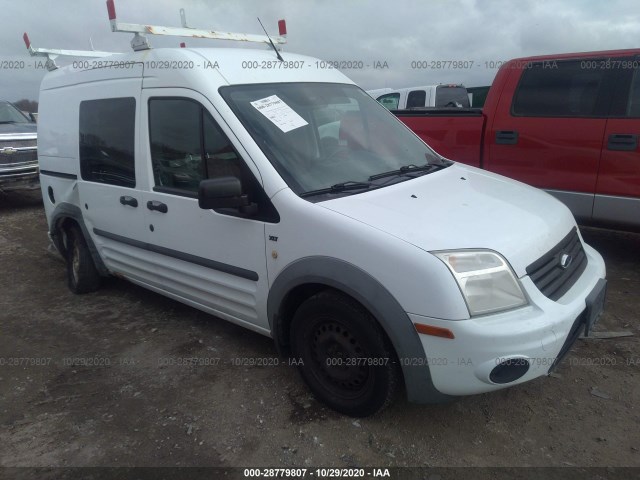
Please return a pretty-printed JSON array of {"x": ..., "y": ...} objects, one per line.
[
  {"x": 9, "y": 114},
  {"x": 318, "y": 135}
]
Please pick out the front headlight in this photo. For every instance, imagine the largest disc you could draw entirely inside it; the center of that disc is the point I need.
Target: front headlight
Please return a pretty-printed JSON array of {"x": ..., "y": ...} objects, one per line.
[{"x": 486, "y": 280}]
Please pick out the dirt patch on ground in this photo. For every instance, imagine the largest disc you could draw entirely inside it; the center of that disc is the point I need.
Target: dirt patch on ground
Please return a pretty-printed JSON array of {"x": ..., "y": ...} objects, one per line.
[{"x": 110, "y": 388}]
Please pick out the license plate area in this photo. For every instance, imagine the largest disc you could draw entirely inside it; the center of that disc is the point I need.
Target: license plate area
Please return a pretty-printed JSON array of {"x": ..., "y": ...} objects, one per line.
[{"x": 595, "y": 305}]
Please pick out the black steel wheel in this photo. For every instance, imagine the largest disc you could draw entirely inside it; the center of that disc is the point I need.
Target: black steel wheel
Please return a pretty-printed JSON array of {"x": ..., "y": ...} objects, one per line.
[
  {"x": 347, "y": 360},
  {"x": 82, "y": 275}
]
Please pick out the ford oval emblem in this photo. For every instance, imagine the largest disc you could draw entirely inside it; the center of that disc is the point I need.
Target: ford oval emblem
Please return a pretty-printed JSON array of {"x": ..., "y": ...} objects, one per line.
[{"x": 565, "y": 260}]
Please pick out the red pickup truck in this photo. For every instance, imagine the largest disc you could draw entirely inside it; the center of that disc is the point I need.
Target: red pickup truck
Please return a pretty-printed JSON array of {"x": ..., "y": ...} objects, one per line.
[{"x": 566, "y": 123}]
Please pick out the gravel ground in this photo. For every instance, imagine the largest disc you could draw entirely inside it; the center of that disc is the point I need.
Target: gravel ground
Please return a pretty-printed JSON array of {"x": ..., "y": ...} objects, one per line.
[{"x": 135, "y": 405}]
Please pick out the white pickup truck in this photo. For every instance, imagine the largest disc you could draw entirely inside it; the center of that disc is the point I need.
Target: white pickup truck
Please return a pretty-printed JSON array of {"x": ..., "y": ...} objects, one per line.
[
  {"x": 18, "y": 150},
  {"x": 438, "y": 96},
  {"x": 367, "y": 257}
]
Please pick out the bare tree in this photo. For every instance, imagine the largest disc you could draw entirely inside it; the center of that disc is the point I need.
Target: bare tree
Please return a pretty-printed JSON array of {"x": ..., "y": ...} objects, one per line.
[{"x": 25, "y": 105}]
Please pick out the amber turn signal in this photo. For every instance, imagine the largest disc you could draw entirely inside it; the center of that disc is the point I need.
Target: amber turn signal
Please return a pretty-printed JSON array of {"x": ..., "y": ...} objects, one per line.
[{"x": 434, "y": 331}]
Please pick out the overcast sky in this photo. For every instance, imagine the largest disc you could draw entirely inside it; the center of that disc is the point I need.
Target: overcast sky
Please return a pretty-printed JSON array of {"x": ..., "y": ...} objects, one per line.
[{"x": 396, "y": 32}]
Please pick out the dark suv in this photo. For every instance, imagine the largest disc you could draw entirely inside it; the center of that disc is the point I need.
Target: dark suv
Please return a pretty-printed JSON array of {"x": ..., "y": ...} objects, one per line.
[{"x": 18, "y": 150}]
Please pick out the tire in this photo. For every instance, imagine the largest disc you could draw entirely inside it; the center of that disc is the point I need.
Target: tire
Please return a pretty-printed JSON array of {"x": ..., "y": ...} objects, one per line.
[
  {"x": 347, "y": 361},
  {"x": 82, "y": 275}
]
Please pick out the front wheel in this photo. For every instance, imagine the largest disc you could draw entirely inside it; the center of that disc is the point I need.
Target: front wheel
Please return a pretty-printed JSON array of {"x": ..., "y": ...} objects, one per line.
[
  {"x": 347, "y": 360},
  {"x": 82, "y": 275}
]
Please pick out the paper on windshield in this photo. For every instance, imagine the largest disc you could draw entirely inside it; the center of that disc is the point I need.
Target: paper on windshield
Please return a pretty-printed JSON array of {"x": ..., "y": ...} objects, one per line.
[{"x": 280, "y": 114}]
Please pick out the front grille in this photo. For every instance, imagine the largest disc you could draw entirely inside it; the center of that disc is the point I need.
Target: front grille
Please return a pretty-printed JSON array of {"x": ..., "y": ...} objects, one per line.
[
  {"x": 15, "y": 143},
  {"x": 18, "y": 156},
  {"x": 550, "y": 276}
]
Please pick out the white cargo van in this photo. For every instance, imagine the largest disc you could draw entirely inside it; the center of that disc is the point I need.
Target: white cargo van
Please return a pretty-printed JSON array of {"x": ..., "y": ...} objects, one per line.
[
  {"x": 278, "y": 195},
  {"x": 437, "y": 96}
]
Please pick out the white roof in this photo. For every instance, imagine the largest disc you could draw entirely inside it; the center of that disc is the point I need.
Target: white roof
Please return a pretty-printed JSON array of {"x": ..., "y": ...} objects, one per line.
[{"x": 189, "y": 67}]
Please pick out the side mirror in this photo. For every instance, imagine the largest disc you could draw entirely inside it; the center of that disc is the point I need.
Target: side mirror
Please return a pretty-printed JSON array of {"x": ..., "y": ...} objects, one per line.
[{"x": 222, "y": 192}]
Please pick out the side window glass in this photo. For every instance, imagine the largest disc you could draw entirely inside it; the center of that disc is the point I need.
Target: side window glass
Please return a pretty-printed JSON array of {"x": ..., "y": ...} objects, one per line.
[
  {"x": 633, "y": 108},
  {"x": 107, "y": 140},
  {"x": 174, "y": 134},
  {"x": 416, "y": 98},
  {"x": 561, "y": 89},
  {"x": 220, "y": 156},
  {"x": 188, "y": 146},
  {"x": 390, "y": 100}
]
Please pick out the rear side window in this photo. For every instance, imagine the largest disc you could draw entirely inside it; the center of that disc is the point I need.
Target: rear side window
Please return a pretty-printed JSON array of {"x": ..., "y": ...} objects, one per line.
[
  {"x": 416, "y": 98},
  {"x": 107, "y": 134},
  {"x": 390, "y": 100},
  {"x": 562, "y": 89},
  {"x": 452, "y": 96}
]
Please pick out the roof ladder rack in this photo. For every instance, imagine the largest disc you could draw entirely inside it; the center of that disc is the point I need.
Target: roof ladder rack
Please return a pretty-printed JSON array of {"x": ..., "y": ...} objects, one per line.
[
  {"x": 140, "y": 42},
  {"x": 51, "y": 54}
]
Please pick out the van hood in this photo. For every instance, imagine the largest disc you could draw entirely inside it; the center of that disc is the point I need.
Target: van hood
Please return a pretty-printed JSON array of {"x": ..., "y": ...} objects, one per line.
[{"x": 464, "y": 207}]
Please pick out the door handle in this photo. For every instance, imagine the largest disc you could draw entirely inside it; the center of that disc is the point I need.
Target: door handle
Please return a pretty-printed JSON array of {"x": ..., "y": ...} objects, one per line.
[
  {"x": 506, "y": 137},
  {"x": 621, "y": 141},
  {"x": 157, "y": 206},
  {"x": 127, "y": 200}
]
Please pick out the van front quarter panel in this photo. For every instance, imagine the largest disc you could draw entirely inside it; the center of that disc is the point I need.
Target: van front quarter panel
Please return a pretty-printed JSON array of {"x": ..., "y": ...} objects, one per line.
[{"x": 312, "y": 274}]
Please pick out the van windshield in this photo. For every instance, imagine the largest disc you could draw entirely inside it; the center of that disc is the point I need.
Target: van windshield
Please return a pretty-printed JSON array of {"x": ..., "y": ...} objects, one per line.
[{"x": 320, "y": 135}]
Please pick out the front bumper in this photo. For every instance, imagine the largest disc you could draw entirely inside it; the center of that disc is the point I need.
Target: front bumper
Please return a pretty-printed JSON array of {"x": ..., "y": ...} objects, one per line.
[
  {"x": 23, "y": 177},
  {"x": 537, "y": 336}
]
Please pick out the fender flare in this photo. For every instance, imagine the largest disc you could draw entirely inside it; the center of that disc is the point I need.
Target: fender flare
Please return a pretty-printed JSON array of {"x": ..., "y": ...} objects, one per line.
[
  {"x": 67, "y": 210},
  {"x": 364, "y": 288}
]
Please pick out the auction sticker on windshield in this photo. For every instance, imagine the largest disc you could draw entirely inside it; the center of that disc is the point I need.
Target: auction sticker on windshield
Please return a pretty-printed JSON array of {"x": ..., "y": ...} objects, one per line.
[{"x": 280, "y": 114}]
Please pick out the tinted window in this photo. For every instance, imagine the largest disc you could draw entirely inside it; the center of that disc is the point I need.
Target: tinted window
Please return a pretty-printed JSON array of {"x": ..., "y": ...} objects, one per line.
[
  {"x": 447, "y": 96},
  {"x": 417, "y": 98},
  {"x": 561, "y": 89},
  {"x": 107, "y": 129},
  {"x": 633, "y": 107},
  {"x": 390, "y": 100},
  {"x": 187, "y": 146},
  {"x": 478, "y": 96},
  {"x": 222, "y": 159},
  {"x": 176, "y": 151}
]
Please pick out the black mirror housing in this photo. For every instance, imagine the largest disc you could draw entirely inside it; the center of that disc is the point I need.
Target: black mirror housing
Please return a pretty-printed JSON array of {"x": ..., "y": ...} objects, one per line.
[{"x": 222, "y": 192}]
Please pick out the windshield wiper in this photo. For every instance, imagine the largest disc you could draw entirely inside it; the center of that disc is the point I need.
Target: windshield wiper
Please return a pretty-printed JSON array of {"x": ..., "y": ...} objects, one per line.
[
  {"x": 3, "y": 122},
  {"x": 407, "y": 169},
  {"x": 337, "y": 188}
]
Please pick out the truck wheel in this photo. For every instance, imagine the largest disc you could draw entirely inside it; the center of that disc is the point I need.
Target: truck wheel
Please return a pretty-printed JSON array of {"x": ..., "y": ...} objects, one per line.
[
  {"x": 347, "y": 361},
  {"x": 82, "y": 275}
]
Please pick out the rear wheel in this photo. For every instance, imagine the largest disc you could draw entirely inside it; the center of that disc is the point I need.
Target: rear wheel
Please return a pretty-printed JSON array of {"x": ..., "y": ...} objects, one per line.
[
  {"x": 347, "y": 361},
  {"x": 82, "y": 275}
]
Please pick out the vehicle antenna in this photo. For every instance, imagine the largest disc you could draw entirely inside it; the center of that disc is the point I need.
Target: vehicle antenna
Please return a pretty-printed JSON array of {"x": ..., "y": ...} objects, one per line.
[{"x": 271, "y": 42}]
